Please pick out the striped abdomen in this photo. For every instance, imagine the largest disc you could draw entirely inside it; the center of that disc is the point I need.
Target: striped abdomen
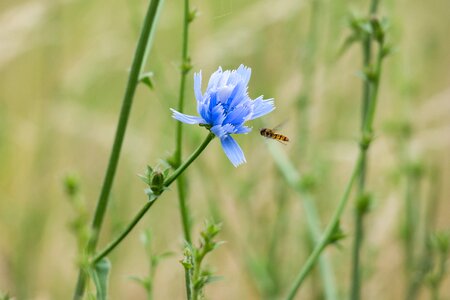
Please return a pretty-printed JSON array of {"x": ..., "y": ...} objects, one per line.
[{"x": 269, "y": 133}]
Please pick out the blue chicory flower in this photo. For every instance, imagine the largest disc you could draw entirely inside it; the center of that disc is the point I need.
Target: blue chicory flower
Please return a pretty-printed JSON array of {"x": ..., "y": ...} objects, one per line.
[{"x": 225, "y": 107}]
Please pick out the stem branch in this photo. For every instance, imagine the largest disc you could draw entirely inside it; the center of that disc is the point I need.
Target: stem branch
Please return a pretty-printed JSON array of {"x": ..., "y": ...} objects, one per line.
[{"x": 149, "y": 204}]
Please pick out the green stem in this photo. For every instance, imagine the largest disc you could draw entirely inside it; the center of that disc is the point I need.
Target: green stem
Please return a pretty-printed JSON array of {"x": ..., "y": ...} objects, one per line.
[
  {"x": 367, "y": 127},
  {"x": 355, "y": 292},
  {"x": 308, "y": 63},
  {"x": 181, "y": 184},
  {"x": 277, "y": 232},
  {"x": 149, "y": 204},
  {"x": 324, "y": 241},
  {"x": 196, "y": 274},
  {"x": 413, "y": 262},
  {"x": 356, "y": 276},
  {"x": 366, "y": 140},
  {"x": 374, "y": 6},
  {"x": 184, "y": 210},
  {"x": 127, "y": 102},
  {"x": 438, "y": 277},
  {"x": 293, "y": 178}
]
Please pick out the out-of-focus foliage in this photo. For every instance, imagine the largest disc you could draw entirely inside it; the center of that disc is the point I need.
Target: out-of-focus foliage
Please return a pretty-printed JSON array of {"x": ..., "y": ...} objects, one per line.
[{"x": 63, "y": 70}]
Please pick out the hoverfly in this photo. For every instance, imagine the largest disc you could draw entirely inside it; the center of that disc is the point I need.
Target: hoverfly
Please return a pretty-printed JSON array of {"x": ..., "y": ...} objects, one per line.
[{"x": 272, "y": 134}]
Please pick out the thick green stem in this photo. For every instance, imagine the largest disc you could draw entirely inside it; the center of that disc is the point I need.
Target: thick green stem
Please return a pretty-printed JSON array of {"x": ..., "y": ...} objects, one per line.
[
  {"x": 133, "y": 81},
  {"x": 149, "y": 204}
]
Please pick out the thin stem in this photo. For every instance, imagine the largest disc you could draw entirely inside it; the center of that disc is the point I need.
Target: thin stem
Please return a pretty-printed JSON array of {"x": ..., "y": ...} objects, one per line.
[
  {"x": 357, "y": 242},
  {"x": 441, "y": 272},
  {"x": 293, "y": 178},
  {"x": 190, "y": 159},
  {"x": 324, "y": 241},
  {"x": 366, "y": 140},
  {"x": 188, "y": 283},
  {"x": 415, "y": 264},
  {"x": 374, "y": 6},
  {"x": 277, "y": 232},
  {"x": 355, "y": 292},
  {"x": 127, "y": 230},
  {"x": 127, "y": 102},
  {"x": 367, "y": 128},
  {"x": 308, "y": 63},
  {"x": 149, "y": 204},
  {"x": 181, "y": 185},
  {"x": 196, "y": 274}
]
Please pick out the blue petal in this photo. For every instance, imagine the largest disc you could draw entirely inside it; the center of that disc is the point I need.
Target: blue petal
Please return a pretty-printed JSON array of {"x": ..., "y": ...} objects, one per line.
[
  {"x": 228, "y": 128},
  {"x": 238, "y": 115},
  {"x": 214, "y": 79},
  {"x": 245, "y": 74},
  {"x": 198, "y": 86},
  {"x": 232, "y": 150},
  {"x": 218, "y": 131},
  {"x": 242, "y": 129},
  {"x": 238, "y": 91},
  {"x": 187, "y": 118},
  {"x": 223, "y": 94},
  {"x": 261, "y": 107},
  {"x": 217, "y": 115},
  {"x": 203, "y": 108},
  {"x": 240, "y": 98},
  {"x": 212, "y": 100},
  {"x": 224, "y": 79}
]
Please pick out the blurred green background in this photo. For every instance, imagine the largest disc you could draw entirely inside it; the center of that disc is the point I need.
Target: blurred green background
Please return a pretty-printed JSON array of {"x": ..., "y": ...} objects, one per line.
[{"x": 63, "y": 70}]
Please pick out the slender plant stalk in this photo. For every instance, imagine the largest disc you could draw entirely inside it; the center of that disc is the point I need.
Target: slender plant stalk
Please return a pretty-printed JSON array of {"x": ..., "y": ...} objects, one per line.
[
  {"x": 149, "y": 204},
  {"x": 293, "y": 178},
  {"x": 308, "y": 63},
  {"x": 185, "y": 67},
  {"x": 133, "y": 81},
  {"x": 360, "y": 212},
  {"x": 366, "y": 140},
  {"x": 324, "y": 241},
  {"x": 278, "y": 228},
  {"x": 442, "y": 268},
  {"x": 423, "y": 261},
  {"x": 413, "y": 261},
  {"x": 181, "y": 184}
]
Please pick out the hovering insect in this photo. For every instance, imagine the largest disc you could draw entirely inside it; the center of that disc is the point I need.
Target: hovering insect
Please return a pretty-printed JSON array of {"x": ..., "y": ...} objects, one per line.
[{"x": 272, "y": 134}]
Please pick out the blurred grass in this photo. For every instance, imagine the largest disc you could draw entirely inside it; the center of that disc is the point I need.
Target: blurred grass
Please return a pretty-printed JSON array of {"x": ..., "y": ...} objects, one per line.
[{"x": 63, "y": 68}]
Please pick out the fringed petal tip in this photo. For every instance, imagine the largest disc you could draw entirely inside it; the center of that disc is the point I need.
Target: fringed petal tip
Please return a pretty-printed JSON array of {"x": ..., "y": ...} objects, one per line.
[
  {"x": 232, "y": 150},
  {"x": 262, "y": 107},
  {"x": 198, "y": 86},
  {"x": 186, "y": 118}
]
